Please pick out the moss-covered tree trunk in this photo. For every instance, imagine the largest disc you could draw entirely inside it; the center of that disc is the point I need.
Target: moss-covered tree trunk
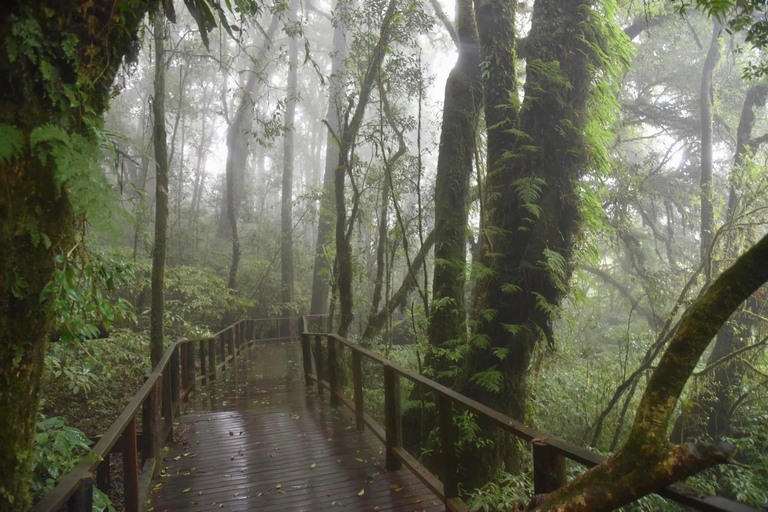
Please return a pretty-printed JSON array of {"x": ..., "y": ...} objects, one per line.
[
  {"x": 78, "y": 44},
  {"x": 536, "y": 156},
  {"x": 159, "y": 141},
  {"x": 647, "y": 462},
  {"x": 461, "y": 109},
  {"x": 706, "y": 102}
]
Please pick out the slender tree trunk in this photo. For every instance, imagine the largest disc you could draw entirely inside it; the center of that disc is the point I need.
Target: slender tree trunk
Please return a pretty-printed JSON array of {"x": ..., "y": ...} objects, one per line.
[
  {"x": 461, "y": 110},
  {"x": 286, "y": 217},
  {"x": 706, "y": 99},
  {"x": 321, "y": 271},
  {"x": 347, "y": 138},
  {"x": 161, "y": 195},
  {"x": 381, "y": 248}
]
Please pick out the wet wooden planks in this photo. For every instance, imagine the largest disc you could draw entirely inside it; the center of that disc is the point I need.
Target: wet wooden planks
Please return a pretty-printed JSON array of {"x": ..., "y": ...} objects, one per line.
[{"x": 259, "y": 440}]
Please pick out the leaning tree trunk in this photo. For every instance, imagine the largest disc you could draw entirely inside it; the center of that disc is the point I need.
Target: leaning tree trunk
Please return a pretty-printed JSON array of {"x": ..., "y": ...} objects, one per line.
[
  {"x": 286, "y": 217},
  {"x": 647, "y": 462},
  {"x": 461, "y": 109},
  {"x": 34, "y": 195},
  {"x": 156, "y": 339},
  {"x": 321, "y": 270}
]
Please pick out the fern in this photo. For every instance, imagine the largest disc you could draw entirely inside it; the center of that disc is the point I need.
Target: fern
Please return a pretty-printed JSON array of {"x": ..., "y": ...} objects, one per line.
[
  {"x": 11, "y": 143},
  {"x": 489, "y": 380}
]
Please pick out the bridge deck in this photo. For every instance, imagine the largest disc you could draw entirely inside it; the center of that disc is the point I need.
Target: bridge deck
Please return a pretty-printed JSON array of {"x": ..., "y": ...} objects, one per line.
[{"x": 258, "y": 439}]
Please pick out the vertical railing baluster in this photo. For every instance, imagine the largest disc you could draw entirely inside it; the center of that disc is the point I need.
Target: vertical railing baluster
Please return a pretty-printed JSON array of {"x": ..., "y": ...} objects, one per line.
[
  {"x": 231, "y": 337},
  {"x": 307, "y": 357},
  {"x": 184, "y": 366},
  {"x": 82, "y": 499},
  {"x": 130, "y": 468},
  {"x": 175, "y": 387},
  {"x": 203, "y": 350},
  {"x": 357, "y": 383},
  {"x": 392, "y": 417},
  {"x": 222, "y": 349},
  {"x": 548, "y": 469},
  {"x": 319, "y": 362},
  {"x": 190, "y": 368},
  {"x": 104, "y": 475},
  {"x": 150, "y": 421},
  {"x": 212, "y": 358},
  {"x": 333, "y": 369},
  {"x": 447, "y": 439},
  {"x": 167, "y": 402}
]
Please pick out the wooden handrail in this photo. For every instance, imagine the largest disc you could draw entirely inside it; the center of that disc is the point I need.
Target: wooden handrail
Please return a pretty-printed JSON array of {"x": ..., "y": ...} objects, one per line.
[
  {"x": 549, "y": 454},
  {"x": 174, "y": 373}
]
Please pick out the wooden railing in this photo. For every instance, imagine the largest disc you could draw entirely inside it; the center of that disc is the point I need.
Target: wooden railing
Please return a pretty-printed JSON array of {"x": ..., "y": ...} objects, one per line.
[
  {"x": 549, "y": 455},
  {"x": 158, "y": 401}
]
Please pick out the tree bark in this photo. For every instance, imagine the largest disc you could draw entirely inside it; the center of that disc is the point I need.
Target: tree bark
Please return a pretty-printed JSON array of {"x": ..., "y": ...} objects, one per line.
[{"x": 156, "y": 338}]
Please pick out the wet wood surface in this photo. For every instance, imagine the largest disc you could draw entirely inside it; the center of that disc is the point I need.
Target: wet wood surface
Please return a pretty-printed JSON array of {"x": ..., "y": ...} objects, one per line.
[{"x": 258, "y": 439}]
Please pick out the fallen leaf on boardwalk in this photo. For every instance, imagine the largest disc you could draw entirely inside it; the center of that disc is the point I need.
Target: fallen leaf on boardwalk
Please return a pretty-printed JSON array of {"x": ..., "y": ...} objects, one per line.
[
  {"x": 237, "y": 494},
  {"x": 279, "y": 486},
  {"x": 231, "y": 433},
  {"x": 177, "y": 457},
  {"x": 227, "y": 476},
  {"x": 186, "y": 490},
  {"x": 360, "y": 460},
  {"x": 186, "y": 454},
  {"x": 398, "y": 489},
  {"x": 158, "y": 486},
  {"x": 281, "y": 492},
  {"x": 362, "y": 491},
  {"x": 231, "y": 457},
  {"x": 199, "y": 493}
]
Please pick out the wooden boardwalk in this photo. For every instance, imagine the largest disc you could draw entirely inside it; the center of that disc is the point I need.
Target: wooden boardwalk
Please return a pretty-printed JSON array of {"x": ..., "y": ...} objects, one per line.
[{"x": 259, "y": 439}]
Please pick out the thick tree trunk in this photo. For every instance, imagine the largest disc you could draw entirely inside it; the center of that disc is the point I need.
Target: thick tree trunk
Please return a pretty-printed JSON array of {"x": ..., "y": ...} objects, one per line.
[
  {"x": 531, "y": 203},
  {"x": 161, "y": 195},
  {"x": 647, "y": 462},
  {"x": 321, "y": 271},
  {"x": 286, "y": 200},
  {"x": 32, "y": 200},
  {"x": 461, "y": 110}
]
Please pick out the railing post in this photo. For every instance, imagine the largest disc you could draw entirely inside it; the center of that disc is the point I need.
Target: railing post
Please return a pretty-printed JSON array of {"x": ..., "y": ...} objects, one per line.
[
  {"x": 393, "y": 417},
  {"x": 103, "y": 475},
  {"x": 190, "y": 368},
  {"x": 82, "y": 499},
  {"x": 212, "y": 358},
  {"x": 222, "y": 348},
  {"x": 319, "y": 362},
  {"x": 307, "y": 357},
  {"x": 175, "y": 388},
  {"x": 167, "y": 400},
  {"x": 150, "y": 420},
  {"x": 231, "y": 337},
  {"x": 333, "y": 369},
  {"x": 130, "y": 468},
  {"x": 357, "y": 382},
  {"x": 548, "y": 469},
  {"x": 184, "y": 366},
  {"x": 203, "y": 350},
  {"x": 447, "y": 437}
]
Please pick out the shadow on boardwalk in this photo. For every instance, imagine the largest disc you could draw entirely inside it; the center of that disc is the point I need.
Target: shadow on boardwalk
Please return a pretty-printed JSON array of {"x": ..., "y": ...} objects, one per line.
[{"x": 258, "y": 439}]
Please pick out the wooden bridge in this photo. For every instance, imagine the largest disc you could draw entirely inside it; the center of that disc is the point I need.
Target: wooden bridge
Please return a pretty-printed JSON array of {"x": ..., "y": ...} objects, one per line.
[{"x": 256, "y": 418}]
